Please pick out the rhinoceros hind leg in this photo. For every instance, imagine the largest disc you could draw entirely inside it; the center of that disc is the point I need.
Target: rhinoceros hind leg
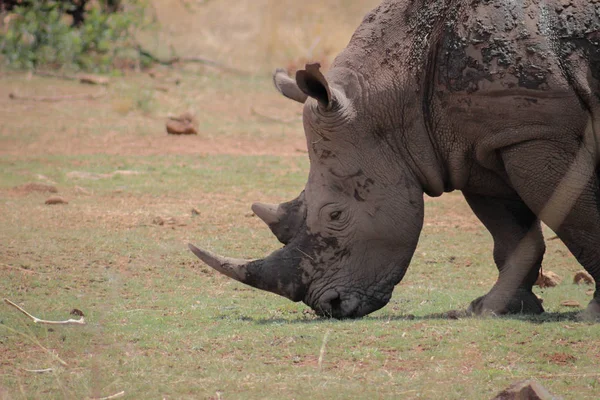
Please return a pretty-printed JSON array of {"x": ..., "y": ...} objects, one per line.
[
  {"x": 518, "y": 251},
  {"x": 567, "y": 199}
]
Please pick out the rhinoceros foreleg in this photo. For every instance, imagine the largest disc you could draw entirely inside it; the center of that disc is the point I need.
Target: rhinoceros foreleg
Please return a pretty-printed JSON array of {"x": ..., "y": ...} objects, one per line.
[
  {"x": 518, "y": 252},
  {"x": 560, "y": 182}
]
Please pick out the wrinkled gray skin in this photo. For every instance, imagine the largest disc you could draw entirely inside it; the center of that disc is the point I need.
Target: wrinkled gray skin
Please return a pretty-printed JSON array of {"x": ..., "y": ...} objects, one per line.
[{"x": 498, "y": 99}]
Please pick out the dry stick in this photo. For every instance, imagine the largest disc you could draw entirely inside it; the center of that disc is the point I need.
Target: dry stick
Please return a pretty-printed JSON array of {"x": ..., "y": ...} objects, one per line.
[
  {"x": 322, "y": 351},
  {"x": 24, "y": 270},
  {"x": 200, "y": 60},
  {"x": 39, "y": 371},
  {"x": 112, "y": 396},
  {"x": 80, "y": 321},
  {"x": 34, "y": 340},
  {"x": 95, "y": 96}
]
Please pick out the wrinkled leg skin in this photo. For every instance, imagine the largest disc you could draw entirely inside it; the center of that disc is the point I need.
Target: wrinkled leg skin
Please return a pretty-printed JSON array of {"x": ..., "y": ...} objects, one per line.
[
  {"x": 518, "y": 251},
  {"x": 560, "y": 183}
]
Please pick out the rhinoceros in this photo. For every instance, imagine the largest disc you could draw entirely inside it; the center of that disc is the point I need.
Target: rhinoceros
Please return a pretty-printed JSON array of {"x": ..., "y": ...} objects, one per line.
[{"x": 499, "y": 99}]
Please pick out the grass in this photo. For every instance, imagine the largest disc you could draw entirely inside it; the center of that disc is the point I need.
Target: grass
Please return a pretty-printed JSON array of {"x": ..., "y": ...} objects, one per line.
[{"x": 163, "y": 325}]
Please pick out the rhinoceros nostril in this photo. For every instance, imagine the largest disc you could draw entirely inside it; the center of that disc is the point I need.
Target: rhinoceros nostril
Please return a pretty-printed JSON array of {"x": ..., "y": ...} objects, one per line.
[
  {"x": 336, "y": 307},
  {"x": 333, "y": 306},
  {"x": 329, "y": 304}
]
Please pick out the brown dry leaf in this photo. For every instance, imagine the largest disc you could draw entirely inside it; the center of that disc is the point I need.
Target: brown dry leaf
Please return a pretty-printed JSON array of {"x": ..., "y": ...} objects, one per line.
[
  {"x": 570, "y": 303},
  {"x": 583, "y": 277},
  {"x": 548, "y": 279}
]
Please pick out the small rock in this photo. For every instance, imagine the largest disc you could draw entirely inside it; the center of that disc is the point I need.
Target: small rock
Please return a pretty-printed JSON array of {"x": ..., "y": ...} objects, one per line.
[
  {"x": 180, "y": 128},
  {"x": 525, "y": 390},
  {"x": 182, "y": 125},
  {"x": 548, "y": 279},
  {"x": 583, "y": 277},
  {"x": 36, "y": 187},
  {"x": 158, "y": 221},
  {"x": 195, "y": 212},
  {"x": 570, "y": 303},
  {"x": 56, "y": 200}
]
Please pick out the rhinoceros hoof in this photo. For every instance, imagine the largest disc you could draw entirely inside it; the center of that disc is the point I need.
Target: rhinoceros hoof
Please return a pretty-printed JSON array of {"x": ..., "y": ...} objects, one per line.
[
  {"x": 592, "y": 312},
  {"x": 524, "y": 302}
]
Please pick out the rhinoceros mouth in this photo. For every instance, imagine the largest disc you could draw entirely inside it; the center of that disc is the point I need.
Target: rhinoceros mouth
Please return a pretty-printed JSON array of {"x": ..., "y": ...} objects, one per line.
[{"x": 332, "y": 304}]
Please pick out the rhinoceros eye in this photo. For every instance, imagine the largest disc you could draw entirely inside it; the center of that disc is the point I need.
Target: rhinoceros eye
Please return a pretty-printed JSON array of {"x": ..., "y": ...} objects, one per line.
[{"x": 334, "y": 216}]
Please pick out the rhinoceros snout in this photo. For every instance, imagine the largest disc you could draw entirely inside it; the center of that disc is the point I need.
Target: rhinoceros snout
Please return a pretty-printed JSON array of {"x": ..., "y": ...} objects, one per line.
[{"x": 333, "y": 305}]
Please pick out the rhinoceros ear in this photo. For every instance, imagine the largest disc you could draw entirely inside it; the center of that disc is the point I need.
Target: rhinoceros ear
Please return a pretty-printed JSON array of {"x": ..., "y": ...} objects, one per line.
[
  {"x": 287, "y": 86},
  {"x": 314, "y": 84}
]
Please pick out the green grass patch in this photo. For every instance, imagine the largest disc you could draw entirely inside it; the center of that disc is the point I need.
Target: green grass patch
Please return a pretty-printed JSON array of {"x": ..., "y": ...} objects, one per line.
[{"x": 163, "y": 325}]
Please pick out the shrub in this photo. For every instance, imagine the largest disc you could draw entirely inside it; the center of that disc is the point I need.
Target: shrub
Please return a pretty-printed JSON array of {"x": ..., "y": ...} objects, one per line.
[{"x": 49, "y": 33}]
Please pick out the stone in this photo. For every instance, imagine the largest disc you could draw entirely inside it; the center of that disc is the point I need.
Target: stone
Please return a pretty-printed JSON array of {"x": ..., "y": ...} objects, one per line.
[{"x": 182, "y": 125}]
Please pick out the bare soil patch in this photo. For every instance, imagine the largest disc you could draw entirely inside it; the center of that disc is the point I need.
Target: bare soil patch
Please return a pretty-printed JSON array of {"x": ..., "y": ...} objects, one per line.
[{"x": 257, "y": 121}]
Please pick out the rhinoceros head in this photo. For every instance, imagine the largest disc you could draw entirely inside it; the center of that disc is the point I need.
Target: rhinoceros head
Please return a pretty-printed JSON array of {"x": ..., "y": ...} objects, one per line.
[{"x": 350, "y": 235}]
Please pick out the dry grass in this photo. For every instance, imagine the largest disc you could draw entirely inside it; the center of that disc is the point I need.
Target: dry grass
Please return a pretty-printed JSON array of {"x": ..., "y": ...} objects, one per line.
[{"x": 257, "y": 35}]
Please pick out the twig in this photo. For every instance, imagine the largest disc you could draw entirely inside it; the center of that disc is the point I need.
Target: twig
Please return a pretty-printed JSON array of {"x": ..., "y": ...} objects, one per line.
[
  {"x": 55, "y": 75},
  {"x": 200, "y": 60},
  {"x": 94, "y": 96},
  {"x": 80, "y": 321},
  {"x": 24, "y": 270},
  {"x": 305, "y": 254},
  {"x": 112, "y": 396},
  {"x": 39, "y": 371},
  {"x": 272, "y": 119},
  {"x": 322, "y": 351}
]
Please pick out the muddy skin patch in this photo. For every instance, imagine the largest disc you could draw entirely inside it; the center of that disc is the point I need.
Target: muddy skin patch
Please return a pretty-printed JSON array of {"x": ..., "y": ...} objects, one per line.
[
  {"x": 363, "y": 189},
  {"x": 457, "y": 70}
]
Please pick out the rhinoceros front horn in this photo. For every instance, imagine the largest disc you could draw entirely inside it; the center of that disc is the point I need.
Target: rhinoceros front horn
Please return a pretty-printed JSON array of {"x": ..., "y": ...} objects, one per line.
[
  {"x": 274, "y": 274},
  {"x": 231, "y": 267}
]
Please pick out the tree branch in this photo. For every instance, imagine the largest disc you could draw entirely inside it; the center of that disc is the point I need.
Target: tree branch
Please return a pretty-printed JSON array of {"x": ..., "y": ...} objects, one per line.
[{"x": 176, "y": 60}]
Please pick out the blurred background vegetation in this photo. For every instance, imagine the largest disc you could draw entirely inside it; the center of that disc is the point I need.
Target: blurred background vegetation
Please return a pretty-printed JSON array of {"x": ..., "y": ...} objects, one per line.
[{"x": 112, "y": 35}]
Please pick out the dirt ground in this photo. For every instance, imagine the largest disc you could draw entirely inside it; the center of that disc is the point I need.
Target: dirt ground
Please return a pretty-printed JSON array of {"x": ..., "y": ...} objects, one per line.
[{"x": 118, "y": 124}]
